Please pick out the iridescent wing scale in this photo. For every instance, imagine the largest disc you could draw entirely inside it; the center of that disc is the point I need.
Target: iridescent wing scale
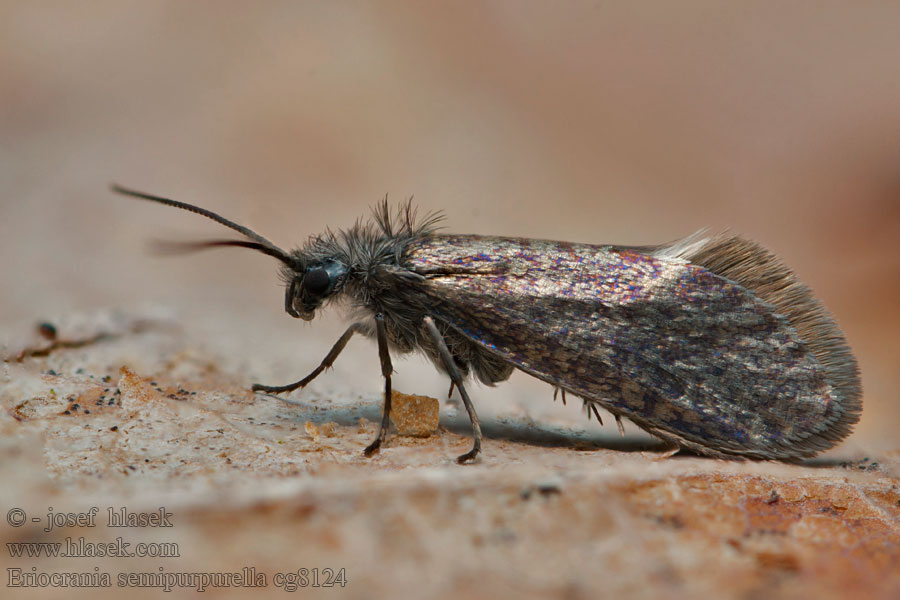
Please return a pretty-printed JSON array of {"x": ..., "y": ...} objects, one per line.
[{"x": 680, "y": 350}]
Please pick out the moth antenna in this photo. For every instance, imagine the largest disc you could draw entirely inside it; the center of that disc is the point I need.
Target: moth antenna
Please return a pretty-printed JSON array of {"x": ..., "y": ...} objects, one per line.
[
  {"x": 170, "y": 247},
  {"x": 259, "y": 242}
]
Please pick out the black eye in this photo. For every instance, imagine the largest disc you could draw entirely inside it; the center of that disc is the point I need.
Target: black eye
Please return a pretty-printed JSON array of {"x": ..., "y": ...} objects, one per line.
[{"x": 316, "y": 281}]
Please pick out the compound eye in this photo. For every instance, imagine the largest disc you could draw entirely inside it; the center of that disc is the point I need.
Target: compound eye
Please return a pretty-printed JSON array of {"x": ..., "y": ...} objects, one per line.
[{"x": 316, "y": 281}]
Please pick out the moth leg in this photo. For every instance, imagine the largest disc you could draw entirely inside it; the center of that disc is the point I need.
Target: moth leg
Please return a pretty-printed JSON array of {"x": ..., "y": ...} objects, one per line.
[
  {"x": 621, "y": 427},
  {"x": 326, "y": 362},
  {"x": 671, "y": 449},
  {"x": 556, "y": 391},
  {"x": 386, "y": 369},
  {"x": 589, "y": 407},
  {"x": 456, "y": 378}
]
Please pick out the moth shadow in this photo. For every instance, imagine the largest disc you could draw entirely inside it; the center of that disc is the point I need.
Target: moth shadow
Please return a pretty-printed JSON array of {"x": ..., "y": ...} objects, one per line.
[
  {"x": 523, "y": 431},
  {"x": 529, "y": 432},
  {"x": 506, "y": 429},
  {"x": 856, "y": 463}
]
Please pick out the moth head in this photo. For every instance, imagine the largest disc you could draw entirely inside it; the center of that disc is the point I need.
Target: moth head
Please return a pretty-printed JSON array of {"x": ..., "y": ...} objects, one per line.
[
  {"x": 309, "y": 283},
  {"x": 310, "y": 286}
]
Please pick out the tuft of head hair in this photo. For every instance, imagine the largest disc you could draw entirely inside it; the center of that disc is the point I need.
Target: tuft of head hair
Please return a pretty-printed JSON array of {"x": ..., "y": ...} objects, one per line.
[
  {"x": 404, "y": 220},
  {"x": 750, "y": 265},
  {"x": 369, "y": 246}
]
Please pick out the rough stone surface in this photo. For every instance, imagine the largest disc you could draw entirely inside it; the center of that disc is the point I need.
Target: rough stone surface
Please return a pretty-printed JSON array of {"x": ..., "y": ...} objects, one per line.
[{"x": 125, "y": 411}]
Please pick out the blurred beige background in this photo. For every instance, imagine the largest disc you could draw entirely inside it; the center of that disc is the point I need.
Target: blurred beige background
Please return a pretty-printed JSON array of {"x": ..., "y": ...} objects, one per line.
[{"x": 586, "y": 121}]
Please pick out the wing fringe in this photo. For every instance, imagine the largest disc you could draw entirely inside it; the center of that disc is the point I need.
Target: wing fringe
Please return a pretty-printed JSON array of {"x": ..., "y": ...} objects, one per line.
[{"x": 750, "y": 265}]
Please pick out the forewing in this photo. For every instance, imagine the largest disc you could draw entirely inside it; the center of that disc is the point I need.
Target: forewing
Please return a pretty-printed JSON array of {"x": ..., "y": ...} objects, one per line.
[{"x": 679, "y": 350}]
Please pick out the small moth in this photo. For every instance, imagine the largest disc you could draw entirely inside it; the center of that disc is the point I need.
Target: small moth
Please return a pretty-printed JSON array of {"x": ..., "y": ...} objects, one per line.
[{"x": 709, "y": 343}]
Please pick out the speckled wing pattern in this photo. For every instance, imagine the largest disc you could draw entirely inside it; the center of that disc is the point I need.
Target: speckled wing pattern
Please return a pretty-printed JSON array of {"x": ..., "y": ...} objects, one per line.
[{"x": 680, "y": 351}]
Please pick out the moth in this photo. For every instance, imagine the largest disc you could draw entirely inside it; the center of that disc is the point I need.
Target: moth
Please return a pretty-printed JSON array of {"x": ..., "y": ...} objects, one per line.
[{"x": 709, "y": 343}]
